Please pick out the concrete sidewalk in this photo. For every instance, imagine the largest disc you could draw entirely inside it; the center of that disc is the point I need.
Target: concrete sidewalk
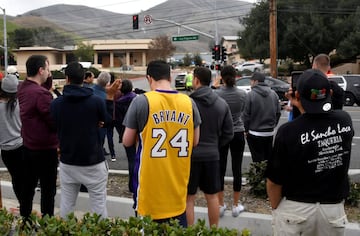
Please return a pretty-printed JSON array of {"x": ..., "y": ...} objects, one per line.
[{"x": 258, "y": 224}]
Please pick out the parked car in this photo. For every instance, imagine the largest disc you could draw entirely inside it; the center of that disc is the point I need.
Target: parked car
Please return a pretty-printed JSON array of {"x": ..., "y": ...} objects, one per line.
[
  {"x": 351, "y": 85},
  {"x": 279, "y": 86},
  {"x": 251, "y": 66}
]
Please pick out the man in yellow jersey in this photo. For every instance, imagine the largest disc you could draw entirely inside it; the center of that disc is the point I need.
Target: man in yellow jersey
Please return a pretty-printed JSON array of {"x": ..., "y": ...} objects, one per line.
[{"x": 164, "y": 125}]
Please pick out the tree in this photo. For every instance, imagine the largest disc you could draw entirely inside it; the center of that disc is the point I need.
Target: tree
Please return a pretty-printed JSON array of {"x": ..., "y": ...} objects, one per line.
[
  {"x": 161, "y": 48},
  {"x": 197, "y": 59},
  {"x": 187, "y": 59},
  {"x": 253, "y": 41},
  {"x": 21, "y": 38},
  {"x": 84, "y": 52},
  {"x": 350, "y": 46},
  {"x": 303, "y": 30},
  {"x": 41, "y": 36},
  {"x": 46, "y": 36}
]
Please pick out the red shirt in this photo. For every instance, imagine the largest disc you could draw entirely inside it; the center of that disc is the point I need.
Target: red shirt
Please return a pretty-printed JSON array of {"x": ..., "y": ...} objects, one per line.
[{"x": 38, "y": 129}]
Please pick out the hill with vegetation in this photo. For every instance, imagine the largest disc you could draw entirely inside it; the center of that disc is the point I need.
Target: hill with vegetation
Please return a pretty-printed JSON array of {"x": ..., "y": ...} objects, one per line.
[{"x": 91, "y": 23}]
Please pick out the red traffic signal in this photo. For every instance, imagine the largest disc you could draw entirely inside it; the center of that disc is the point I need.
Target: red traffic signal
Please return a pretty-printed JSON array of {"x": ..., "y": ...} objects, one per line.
[
  {"x": 135, "y": 20},
  {"x": 216, "y": 52}
]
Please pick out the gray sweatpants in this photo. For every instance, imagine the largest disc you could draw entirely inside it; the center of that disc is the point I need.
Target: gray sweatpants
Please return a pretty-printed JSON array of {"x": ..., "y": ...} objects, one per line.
[{"x": 93, "y": 177}]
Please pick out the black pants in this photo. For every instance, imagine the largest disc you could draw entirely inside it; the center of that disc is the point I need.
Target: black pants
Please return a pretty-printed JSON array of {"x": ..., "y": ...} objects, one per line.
[
  {"x": 260, "y": 147},
  {"x": 40, "y": 165},
  {"x": 14, "y": 162},
  {"x": 110, "y": 139},
  {"x": 236, "y": 145},
  {"x": 130, "y": 154}
]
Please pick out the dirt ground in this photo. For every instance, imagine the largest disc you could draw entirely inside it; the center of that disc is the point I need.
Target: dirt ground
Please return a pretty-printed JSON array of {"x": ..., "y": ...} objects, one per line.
[{"x": 118, "y": 187}]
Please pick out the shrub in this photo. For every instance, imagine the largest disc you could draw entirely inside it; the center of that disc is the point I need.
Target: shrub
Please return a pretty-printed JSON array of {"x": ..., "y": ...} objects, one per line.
[
  {"x": 354, "y": 195},
  {"x": 57, "y": 74},
  {"x": 95, "y": 225},
  {"x": 6, "y": 221},
  {"x": 256, "y": 178},
  {"x": 95, "y": 71}
]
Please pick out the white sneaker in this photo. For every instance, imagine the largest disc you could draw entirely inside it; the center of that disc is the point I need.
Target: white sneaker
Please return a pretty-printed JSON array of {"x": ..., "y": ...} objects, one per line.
[
  {"x": 236, "y": 210},
  {"x": 113, "y": 158},
  {"x": 222, "y": 209}
]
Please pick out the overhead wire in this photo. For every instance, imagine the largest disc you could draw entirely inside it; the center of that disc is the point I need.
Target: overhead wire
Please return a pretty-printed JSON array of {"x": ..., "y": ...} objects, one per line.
[
  {"x": 161, "y": 25},
  {"x": 180, "y": 17}
]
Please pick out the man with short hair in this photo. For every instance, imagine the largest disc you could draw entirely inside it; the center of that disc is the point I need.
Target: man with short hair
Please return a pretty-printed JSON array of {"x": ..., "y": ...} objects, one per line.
[
  {"x": 216, "y": 131},
  {"x": 99, "y": 88},
  {"x": 78, "y": 115},
  {"x": 89, "y": 79},
  {"x": 307, "y": 178},
  {"x": 164, "y": 126},
  {"x": 39, "y": 136},
  {"x": 322, "y": 63},
  {"x": 261, "y": 115}
]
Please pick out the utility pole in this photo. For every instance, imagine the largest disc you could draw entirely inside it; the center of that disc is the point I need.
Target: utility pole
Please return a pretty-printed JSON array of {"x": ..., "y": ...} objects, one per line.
[
  {"x": 273, "y": 39},
  {"x": 216, "y": 26}
]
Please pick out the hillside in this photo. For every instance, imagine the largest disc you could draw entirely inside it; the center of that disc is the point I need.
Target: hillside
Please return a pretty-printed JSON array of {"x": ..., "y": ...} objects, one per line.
[{"x": 91, "y": 23}]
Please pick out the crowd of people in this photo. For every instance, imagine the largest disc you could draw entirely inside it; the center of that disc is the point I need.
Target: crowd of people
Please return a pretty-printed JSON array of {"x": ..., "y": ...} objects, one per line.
[{"x": 177, "y": 143}]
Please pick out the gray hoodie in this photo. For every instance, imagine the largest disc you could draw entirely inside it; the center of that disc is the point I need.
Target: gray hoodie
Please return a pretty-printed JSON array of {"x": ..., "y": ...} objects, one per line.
[
  {"x": 216, "y": 128},
  {"x": 262, "y": 109}
]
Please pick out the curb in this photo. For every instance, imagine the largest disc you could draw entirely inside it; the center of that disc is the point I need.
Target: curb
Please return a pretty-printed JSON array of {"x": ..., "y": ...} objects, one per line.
[{"x": 258, "y": 224}]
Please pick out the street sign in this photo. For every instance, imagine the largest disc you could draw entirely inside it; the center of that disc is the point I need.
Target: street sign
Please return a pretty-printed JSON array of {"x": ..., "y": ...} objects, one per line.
[
  {"x": 185, "y": 38},
  {"x": 147, "y": 19}
]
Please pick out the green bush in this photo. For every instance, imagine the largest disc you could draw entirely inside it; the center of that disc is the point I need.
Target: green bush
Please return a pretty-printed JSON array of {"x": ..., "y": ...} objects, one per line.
[
  {"x": 95, "y": 71},
  {"x": 6, "y": 221},
  {"x": 91, "y": 225},
  {"x": 354, "y": 195},
  {"x": 256, "y": 178},
  {"x": 257, "y": 183},
  {"x": 57, "y": 74}
]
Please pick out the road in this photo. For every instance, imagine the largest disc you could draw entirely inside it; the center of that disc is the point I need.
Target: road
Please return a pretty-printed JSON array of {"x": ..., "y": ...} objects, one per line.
[{"x": 121, "y": 163}]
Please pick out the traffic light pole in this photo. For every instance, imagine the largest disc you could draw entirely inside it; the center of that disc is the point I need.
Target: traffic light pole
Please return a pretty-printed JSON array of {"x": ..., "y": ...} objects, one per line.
[{"x": 184, "y": 26}]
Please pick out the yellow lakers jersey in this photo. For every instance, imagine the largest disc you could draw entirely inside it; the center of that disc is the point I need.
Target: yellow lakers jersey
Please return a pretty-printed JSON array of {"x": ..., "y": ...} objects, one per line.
[{"x": 165, "y": 147}]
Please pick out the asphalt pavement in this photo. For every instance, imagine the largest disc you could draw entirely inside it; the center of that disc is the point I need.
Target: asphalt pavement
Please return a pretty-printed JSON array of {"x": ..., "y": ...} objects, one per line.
[{"x": 121, "y": 160}]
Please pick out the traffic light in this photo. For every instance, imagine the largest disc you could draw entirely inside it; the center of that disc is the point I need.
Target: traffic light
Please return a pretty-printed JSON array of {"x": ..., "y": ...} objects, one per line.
[
  {"x": 216, "y": 52},
  {"x": 135, "y": 20},
  {"x": 217, "y": 67},
  {"x": 223, "y": 54}
]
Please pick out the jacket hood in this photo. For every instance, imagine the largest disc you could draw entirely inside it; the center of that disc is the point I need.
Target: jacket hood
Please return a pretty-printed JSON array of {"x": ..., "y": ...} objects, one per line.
[
  {"x": 127, "y": 97},
  {"x": 262, "y": 89},
  {"x": 76, "y": 92},
  {"x": 204, "y": 95}
]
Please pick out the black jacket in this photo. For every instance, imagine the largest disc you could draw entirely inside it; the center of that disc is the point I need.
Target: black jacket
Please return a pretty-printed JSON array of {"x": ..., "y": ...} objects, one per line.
[{"x": 77, "y": 115}]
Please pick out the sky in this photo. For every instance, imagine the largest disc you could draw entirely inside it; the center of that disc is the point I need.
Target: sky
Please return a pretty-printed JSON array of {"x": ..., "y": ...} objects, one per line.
[{"x": 18, "y": 7}]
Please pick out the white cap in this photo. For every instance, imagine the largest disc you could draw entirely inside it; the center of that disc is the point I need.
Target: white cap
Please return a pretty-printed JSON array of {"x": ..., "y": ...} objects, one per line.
[{"x": 11, "y": 69}]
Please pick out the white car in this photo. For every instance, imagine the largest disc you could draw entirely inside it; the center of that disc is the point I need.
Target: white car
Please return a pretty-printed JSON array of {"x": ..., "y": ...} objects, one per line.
[{"x": 251, "y": 66}]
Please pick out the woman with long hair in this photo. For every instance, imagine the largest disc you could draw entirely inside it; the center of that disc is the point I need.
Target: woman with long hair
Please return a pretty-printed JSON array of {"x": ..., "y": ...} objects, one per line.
[{"x": 11, "y": 142}]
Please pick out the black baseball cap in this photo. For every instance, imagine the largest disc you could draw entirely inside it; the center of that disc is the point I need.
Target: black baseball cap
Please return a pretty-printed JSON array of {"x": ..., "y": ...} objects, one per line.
[
  {"x": 314, "y": 89},
  {"x": 258, "y": 76}
]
